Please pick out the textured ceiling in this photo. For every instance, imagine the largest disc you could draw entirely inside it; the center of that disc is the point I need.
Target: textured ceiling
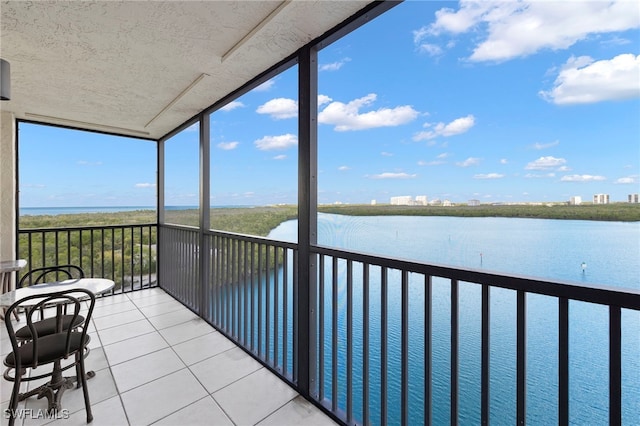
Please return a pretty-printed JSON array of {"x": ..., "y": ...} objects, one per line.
[{"x": 142, "y": 68}]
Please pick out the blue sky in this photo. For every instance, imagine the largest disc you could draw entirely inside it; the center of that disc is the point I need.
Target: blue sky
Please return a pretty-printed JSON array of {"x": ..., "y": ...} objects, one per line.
[{"x": 500, "y": 102}]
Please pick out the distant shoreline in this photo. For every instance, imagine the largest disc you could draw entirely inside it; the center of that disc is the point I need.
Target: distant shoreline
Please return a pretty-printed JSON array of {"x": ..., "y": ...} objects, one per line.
[{"x": 627, "y": 212}]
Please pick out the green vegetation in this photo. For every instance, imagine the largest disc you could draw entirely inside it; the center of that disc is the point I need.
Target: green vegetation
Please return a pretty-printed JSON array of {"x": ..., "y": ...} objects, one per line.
[
  {"x": 622, "y": 212},
  {"x": 125, "y": 251}
]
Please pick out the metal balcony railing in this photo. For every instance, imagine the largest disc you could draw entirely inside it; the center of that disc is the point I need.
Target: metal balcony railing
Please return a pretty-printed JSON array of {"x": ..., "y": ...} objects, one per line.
[
  {"x": 387, "y": 335},
  {"x": 369, "y": 312},
  {"x": 123, "y": 253}
]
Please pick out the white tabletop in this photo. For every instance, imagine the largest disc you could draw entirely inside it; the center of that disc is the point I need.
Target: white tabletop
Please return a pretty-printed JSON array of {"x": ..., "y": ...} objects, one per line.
[
  {"x": 12, "y": 265},
  {"x": 95, "y": 285}
]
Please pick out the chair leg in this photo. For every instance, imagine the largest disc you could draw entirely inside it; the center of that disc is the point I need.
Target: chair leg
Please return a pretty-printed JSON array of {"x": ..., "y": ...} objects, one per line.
[
  {"x": 13, "y": 404},
  {"x": 83, "y": 376}
]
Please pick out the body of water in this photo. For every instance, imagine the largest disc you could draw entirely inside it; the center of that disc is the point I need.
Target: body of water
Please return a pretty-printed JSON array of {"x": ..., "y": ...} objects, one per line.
[{"x": 591, "y": 252}]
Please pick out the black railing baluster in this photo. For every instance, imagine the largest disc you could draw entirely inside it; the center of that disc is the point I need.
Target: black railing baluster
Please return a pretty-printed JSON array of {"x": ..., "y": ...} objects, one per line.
[
  {"x": 615, "y": 366},
  {"x": 227, "y": 286},
  {"x": 233, "y": 285},
  {"x": 253, "y": 295},
  {"x": 428, "y": 358},
  {"x": 334, "y": 334},
  {"x": 383, "y": 345},
  {"x": 102, "y": 251},
  {"x": 296, "y": 312},
  {"x": 454, "y": 352},
  {"x": 56, "y": 249},
  {"x": 132, "y": 273},
  {"x": 44, "y": 249},
  {"x": 245, "y": 298},
  {"x": 267, "y": 309},
  {"x": 321, "y": 315},
  {"x": 365, "y": 344},
  {"x": 113, "y": 254},
  {"x": 349, "y": 343},
  {"x": 563, "y": 361},
  {"x": 140, "y": 258},
  {"x": 276, "y": 307},
  {"x": 404, "y": 349},
  {"x": 485, "y": 360},
  {"x": 285, "y": 311},
  {"x": 260, "y": 313},
  {"x": 521, "y": 362}
]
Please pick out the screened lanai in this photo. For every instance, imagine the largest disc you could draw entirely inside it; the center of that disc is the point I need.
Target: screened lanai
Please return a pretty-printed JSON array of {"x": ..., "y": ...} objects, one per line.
[{"x": 347, "y": 336}]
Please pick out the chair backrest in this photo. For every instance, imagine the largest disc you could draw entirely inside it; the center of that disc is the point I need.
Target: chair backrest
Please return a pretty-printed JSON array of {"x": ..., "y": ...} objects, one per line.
[
  {"x": 51, "y": 273},
  {"x": 68, "y": 298}
]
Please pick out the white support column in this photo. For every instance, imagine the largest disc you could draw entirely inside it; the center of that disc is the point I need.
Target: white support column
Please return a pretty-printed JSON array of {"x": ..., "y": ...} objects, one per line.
[{"x": 8, "y": 179}]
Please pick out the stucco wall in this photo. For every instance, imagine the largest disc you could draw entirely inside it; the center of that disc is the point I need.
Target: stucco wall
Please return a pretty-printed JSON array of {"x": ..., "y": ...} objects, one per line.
[{"x": 7, "y": 186}]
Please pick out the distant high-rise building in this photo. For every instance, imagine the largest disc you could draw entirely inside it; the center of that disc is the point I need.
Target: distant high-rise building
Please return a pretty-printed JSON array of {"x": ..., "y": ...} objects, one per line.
[
  {"x": 473, "y": 203},
  {"x": 374, "y": 202},
  {"x": 601, "y": 199},
  {"x": 422, "y": 200},
  {"x": 575, "y": 201},
  {"x": 404, "y": 200},
  {"x": 633, "y": 198}
]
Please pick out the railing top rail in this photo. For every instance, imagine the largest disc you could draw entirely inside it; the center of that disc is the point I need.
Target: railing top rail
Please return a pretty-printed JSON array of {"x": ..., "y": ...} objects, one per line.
[
  {"x": 83, "y": 228},
  {"x": 599, "y": 294},
  {"x": 234, "y": 235}
]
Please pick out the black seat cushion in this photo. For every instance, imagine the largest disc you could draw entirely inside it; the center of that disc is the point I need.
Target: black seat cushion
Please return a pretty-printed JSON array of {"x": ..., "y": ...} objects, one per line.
[
  {"x": 50, "y": 349},
  {"x": 48, "y": 326}
]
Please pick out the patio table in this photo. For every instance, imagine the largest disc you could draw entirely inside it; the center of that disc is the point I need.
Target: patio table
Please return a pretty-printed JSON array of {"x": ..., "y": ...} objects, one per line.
[
  {"x": 56, "y": 386},
  {"x": 7, "y": 268}
]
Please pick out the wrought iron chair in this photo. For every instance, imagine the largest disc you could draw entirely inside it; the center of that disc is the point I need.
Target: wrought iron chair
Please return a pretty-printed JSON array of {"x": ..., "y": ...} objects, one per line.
[
  {"x": 40, "y": 275},
  {"x": 48, "y": 349}
]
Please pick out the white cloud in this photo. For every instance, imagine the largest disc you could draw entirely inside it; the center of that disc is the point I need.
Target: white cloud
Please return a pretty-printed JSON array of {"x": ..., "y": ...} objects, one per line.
[
  {"x": 471, "y": 161},
  {"x": 231, "y": 106},
  {"x": 344, "y": 168},
  {"x": 582, "y": 178},
  {"x": 348, "y": 116},
  {"x": 583, "y": 80},
  {"x": 537, "y": 176},
  {"x": 334, "y": 66},
  {"x": 266, "y": 86},
  {"x": 386, "y": 154},
  {"x": 456, "y": 127},
  {"x": 282, "y": 108},
  {"x": 227, "y": 146},
  {"x": 489, "y": 176},
  {"x": 431, "y": 163},
  {"x": 268, "y": 143},
  {"x": 279, "y": 108},
  {"x": 504, "y": 161},
  {"x": 389, "y": 175},
  {"x": 627, "y": 180},
  {"x": 280, "y": 157},
  {"x": 89, "y": 163},
  {"x": 430, "y": 49},
  {"x": 540, "y": 145},
  {"x": 439, "y": 160},
  {"x": 544, "y": 163},
  {"x": 145, "y": 185},
  {"x": 323, "y": 99},
  {"x": 513, "y": 29}
]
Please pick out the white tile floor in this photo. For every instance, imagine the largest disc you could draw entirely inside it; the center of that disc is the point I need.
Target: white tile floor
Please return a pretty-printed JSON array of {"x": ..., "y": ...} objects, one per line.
[{"x": 157, "y": 363}]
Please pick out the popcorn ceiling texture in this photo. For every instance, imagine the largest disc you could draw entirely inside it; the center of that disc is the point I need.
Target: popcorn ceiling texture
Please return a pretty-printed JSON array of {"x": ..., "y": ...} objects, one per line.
[{"x": 119, "y": 64}]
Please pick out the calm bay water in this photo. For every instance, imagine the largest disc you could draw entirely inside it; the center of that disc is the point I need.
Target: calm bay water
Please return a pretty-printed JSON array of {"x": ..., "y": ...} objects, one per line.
[{"x": 597, "y": 253}]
